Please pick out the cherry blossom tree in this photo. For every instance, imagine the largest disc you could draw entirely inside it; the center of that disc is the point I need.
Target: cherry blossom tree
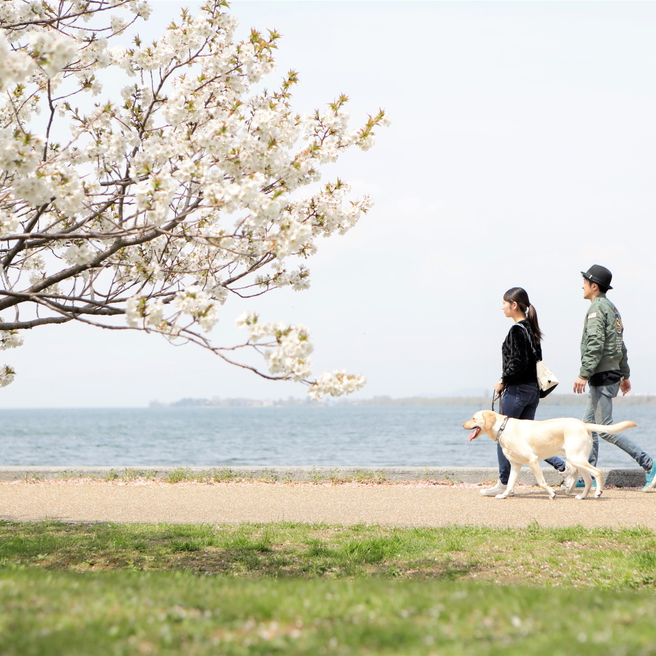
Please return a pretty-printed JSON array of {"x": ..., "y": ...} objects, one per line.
[{"x": 143, "y": 182}]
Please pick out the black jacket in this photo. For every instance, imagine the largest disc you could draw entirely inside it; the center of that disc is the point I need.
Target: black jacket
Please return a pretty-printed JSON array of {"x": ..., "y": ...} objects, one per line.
[{"x": 519, "y": 355}]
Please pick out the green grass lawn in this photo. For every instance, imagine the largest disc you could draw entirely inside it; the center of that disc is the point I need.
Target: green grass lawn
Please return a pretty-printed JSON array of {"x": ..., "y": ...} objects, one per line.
[{"x": 315, "y": 589}]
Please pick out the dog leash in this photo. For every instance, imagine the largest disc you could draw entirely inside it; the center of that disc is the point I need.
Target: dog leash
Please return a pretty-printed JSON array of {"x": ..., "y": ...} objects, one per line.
[
  {"x": 495, "y": 398},
  {"x": 502, "y": 427}
]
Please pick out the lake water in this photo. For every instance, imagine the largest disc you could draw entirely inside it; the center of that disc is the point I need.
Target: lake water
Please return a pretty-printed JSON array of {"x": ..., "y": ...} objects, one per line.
[{"x": 272, "y": 436}]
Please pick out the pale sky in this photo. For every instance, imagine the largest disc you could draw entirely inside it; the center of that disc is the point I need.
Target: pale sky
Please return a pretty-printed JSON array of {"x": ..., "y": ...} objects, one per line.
[{"x": 521, "y": 151}]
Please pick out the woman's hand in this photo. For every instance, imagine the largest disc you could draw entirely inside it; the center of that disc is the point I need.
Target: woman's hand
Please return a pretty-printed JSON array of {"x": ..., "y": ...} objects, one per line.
[{"x": 498, "y": 388}]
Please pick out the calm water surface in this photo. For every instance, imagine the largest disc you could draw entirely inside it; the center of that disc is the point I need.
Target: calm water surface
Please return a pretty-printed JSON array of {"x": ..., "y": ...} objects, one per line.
[{"x": 310, "y": 436}]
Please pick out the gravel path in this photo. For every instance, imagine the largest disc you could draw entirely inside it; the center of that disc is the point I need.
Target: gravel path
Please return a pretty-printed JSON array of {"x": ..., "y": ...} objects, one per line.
[{"x": 398, "y": 505}]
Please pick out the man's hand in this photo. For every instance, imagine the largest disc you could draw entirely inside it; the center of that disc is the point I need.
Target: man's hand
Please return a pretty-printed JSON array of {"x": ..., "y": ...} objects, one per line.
[
  {"x": 625, "y": 386},
  {"x": 498, "y": 388},
  {"x": 579, "y": 385}
]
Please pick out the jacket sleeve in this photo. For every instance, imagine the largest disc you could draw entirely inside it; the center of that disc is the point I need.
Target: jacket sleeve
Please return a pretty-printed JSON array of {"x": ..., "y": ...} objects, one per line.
[
  {"x": 624, "y": 363},
  {"x": 592, "y": 344},
  {"x": 519, "y": 354}
]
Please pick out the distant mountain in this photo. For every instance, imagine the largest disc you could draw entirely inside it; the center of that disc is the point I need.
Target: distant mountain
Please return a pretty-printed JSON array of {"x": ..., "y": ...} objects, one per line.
[
  {"x": 230, "y": 403},
  {"x": 469, "y": 391},
  {"x": 474, "y": 399}
]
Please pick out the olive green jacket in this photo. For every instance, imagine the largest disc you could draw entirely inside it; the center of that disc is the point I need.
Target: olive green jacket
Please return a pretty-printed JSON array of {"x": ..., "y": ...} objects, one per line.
[{"x": 602, "y": 343}]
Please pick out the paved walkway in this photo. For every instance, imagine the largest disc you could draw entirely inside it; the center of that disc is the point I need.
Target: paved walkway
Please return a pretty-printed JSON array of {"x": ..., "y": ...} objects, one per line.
[{"x": 398, "y": 505}]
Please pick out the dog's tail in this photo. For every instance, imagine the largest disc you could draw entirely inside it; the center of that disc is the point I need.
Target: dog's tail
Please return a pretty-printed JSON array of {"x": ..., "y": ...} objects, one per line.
[{"x": 612, "y": 428}]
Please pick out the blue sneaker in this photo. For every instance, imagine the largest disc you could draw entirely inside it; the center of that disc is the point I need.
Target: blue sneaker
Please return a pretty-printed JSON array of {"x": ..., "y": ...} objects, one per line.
[
  {"x": 650, "y": 476},
  {"x": 581, "y": 483}
]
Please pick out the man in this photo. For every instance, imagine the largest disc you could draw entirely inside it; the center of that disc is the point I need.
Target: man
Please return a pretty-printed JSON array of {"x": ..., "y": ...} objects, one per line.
[{"x": 605, "y": 367}]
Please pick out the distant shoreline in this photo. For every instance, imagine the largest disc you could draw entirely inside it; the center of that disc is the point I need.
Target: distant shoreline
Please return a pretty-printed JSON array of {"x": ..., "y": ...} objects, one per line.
[{"x": 387, "y": 401}]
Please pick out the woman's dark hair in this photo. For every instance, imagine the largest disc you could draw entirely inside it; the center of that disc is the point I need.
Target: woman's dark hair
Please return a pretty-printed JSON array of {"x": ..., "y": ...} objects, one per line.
[{"x": 519, "y": 296}]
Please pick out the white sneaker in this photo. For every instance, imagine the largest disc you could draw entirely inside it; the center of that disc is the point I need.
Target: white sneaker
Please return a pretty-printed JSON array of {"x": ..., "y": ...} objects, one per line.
[
  {"x": 570, "y": 477},
  {"x": 499, "y": 488}
]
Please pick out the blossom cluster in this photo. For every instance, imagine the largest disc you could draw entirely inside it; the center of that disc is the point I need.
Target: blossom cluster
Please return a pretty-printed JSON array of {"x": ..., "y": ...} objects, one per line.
[
  {"x": 179, "y": 187},
  {"x": 10, "y": 339},
  {"x": 286, "y": 347},
  {"x": 335, "y": 383},
  {"x": 7, "y": 375}
]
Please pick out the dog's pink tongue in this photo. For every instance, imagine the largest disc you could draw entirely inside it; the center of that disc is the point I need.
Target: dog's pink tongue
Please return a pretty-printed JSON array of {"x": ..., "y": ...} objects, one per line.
[{"x": 474, "y": 434}]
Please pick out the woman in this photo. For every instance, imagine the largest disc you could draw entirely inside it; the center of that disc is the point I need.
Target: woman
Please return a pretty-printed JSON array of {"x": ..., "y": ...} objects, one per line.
[{"x": 518, "y": 386}]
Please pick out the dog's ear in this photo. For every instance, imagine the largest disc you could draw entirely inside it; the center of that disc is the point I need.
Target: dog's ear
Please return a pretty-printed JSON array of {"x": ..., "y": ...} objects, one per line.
[{"x": 489, "y": 418}]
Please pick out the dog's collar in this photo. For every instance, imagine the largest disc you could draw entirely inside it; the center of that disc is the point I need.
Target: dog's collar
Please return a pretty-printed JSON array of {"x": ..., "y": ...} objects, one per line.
[{"x": 502, "y": 427}]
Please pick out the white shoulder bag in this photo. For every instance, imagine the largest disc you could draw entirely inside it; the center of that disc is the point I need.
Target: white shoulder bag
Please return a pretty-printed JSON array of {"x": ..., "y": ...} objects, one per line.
[{"x": 547, "y": 381}]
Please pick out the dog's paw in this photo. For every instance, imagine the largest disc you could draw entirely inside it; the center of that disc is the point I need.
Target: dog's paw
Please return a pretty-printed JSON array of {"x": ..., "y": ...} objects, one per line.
[
  {"x": 580, "y": 496},
  {"x": 501, "y": 496}
]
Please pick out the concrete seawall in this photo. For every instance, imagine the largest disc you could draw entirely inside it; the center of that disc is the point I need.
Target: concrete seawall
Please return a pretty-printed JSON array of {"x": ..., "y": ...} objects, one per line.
[{"x": 620, "y": 477}]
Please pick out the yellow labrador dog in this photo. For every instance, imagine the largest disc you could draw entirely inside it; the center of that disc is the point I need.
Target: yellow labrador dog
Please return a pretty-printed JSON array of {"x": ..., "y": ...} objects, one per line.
[{"x": 527, "y": 442}]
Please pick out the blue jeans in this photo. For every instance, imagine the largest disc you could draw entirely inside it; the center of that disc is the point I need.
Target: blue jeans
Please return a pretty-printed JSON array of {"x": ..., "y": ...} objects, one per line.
[
  {"x": 520, "y": 402},
  {"x": 599, "y": 410}
]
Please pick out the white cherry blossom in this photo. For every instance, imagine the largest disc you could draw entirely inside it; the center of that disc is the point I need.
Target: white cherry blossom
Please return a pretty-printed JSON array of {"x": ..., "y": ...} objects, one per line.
[
  {"x": 189, "y": 184},
  {"x": 51, "y": 51},
  {"x": 7, "y": 375}
]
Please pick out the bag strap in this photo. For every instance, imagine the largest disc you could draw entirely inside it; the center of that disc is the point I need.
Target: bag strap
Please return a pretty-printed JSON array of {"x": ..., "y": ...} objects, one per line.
[{"x": 530, "y": 340}]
